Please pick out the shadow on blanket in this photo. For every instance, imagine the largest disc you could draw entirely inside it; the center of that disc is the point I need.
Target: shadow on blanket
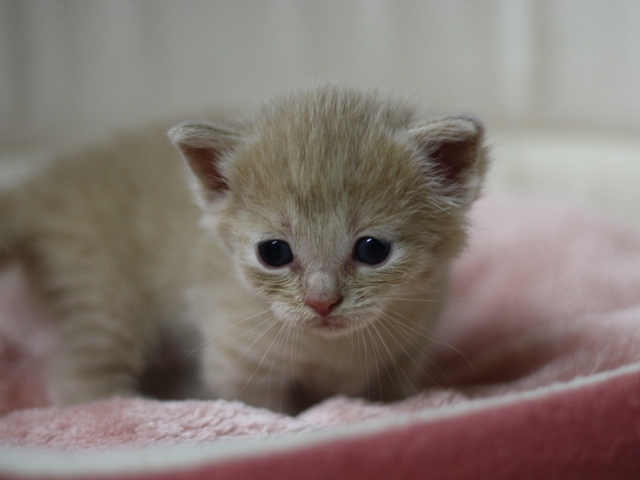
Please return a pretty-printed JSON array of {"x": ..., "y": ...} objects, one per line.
[{"x": 536, "y": 362}]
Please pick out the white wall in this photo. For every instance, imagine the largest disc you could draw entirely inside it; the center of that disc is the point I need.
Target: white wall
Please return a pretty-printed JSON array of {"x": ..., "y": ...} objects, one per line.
[{"x": 71, "y": 68}]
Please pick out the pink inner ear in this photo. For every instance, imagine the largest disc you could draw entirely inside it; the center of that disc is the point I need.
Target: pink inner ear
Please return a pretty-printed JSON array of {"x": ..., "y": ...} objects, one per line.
[
  {"x": 205, "y": 164},
  {"x": 452, "y": 159}
]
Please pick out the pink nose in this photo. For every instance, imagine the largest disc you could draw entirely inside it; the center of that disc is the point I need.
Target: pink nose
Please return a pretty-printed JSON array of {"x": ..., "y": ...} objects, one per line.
[{"x": 323, "y": 307}]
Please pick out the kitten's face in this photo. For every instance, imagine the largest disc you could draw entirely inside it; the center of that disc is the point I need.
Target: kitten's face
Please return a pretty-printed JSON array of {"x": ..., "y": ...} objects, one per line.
[{"x": 330, "y": 211}]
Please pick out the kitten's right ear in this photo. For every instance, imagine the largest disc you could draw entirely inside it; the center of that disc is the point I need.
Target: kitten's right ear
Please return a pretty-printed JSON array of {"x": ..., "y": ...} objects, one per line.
[
  {"x": 453, "y": 148},
  {"x": 205, "y": 146}
]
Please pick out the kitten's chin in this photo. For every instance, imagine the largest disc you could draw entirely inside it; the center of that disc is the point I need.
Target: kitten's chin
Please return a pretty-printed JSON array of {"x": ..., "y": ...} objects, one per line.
[{"x": 333, "y": 326}]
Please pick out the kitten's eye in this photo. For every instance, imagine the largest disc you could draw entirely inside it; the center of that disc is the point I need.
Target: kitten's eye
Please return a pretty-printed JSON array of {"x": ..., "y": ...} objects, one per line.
[
  {"x": 275, "y": 253},
  {"x": 371, "y": 250}
]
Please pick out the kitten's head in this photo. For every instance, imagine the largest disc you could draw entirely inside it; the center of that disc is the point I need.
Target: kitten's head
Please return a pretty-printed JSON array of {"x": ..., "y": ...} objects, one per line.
[{"x": 333, "y": 200}]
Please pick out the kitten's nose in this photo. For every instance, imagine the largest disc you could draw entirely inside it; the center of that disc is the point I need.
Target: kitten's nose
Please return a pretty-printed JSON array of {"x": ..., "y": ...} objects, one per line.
[{"x": 325, "y": 306}]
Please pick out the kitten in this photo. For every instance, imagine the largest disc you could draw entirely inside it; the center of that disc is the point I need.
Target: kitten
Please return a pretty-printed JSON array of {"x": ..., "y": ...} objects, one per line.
[{"x": 312, "y": 262}]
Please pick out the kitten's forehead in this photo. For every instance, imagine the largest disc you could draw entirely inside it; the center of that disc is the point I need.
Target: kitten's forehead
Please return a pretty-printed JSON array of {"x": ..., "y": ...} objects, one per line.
[
  {"x": 328, "y": 153},
  {"x": 330, "y": 120}
]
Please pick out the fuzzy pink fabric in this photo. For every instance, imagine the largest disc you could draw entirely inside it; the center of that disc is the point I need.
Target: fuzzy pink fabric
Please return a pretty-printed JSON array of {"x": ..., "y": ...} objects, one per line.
[{"x": 536, "y": 374}]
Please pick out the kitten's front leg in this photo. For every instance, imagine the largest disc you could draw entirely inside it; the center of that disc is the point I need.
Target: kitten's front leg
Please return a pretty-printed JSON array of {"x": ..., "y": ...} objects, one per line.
[
  {"x": 257, "y": 385},
  {"x": 277, "y": 396},
  {"x": 97, "y": 357}
]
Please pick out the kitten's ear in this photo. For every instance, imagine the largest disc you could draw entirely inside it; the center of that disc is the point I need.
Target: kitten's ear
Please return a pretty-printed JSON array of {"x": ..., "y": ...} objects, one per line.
[
  {"x": 205, "y": 146},
  {"x": 453, "y": 149}
]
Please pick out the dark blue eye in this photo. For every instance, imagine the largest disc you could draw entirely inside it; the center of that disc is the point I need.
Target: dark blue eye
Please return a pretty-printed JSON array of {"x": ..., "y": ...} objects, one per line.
[
  {"x": 275, "y": 253},
  {"x": 371, "y": 250}
]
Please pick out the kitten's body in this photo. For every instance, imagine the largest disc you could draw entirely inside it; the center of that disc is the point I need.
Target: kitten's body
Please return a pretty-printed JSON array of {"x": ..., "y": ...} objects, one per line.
[{"x": 133, "y": 266}]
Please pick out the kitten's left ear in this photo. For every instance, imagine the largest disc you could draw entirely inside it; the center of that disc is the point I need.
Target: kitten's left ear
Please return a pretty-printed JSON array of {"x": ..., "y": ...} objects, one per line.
[
  {"x": 205, "y": 147},
  {"x": 454, "y": 152}
]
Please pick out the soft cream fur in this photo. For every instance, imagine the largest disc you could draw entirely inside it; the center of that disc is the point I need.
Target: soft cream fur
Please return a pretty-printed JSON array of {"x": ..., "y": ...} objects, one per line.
[{"x": 147, "y": 282}]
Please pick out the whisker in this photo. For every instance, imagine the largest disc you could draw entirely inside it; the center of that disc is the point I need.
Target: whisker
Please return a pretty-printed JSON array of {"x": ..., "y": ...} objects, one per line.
[
  {"x": 234, "y": 325},
  {"x": 427, "y": 290},
  {"x": 362, "y": 362},
  {"x": 294, "y": 355},
  {"x": 284, "y": 347},
  {"x": 421, "y": 368},
  {"x": 376, "y": 359},
  {"x": 281, "y": 349},
  {"x": 210, "y": 339},
  {"x": 426, "y": 333},
  {"x": 272, "y": 322},
  {"x": 391, "y": 356},
  {"x": 268, "y": 349},
  {"x": 408, "y": 299},
  {"x": 278, "y": 340}
]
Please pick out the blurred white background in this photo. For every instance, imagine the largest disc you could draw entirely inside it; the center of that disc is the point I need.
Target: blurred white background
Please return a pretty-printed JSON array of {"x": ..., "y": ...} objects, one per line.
[
  {"x": 554, "y": 79},
  {"x": 74, "y": 67}
]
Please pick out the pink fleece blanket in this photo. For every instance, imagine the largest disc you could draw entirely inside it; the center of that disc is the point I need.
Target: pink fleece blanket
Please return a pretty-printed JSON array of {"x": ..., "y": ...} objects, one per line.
[{"x": 536, "y": 375}]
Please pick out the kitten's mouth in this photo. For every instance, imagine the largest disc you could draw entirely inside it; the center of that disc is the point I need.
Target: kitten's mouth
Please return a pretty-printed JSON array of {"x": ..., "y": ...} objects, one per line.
[
  {"x": 329, "y": 323},
  {"x": 333, "y": 325}
]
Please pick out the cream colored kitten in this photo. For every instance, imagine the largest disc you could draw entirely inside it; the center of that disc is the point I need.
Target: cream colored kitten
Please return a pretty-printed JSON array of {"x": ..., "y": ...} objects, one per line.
[{"x": 312, "y": 262}]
